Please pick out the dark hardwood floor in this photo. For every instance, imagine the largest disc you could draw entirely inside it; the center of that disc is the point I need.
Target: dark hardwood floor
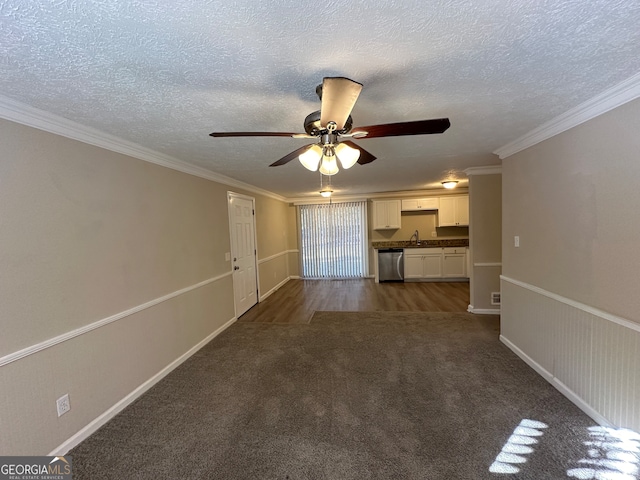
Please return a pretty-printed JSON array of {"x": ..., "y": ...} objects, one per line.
[{"x": 296, "y": 301}]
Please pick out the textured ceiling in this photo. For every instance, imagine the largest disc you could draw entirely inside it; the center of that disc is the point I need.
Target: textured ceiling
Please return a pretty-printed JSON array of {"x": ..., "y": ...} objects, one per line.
[{"x": 164, "y": 74}]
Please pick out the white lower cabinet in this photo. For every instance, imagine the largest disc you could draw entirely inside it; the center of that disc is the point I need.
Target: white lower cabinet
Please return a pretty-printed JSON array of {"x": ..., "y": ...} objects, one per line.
[
  {"x": 422, "y": 263},
  {"x": 454, "y": 262},
  {"x": 432, "y": 266},
  {"x": 434, "y": 263}
]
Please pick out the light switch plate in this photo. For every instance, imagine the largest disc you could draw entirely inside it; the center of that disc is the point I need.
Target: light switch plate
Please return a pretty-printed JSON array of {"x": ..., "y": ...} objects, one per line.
[
  {"x": 227, "y": 256},
  {"x": 516, "y": 241}
]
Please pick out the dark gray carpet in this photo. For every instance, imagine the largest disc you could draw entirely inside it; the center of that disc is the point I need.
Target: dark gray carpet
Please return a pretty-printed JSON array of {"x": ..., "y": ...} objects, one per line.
[{"x": 380, "y": 395}]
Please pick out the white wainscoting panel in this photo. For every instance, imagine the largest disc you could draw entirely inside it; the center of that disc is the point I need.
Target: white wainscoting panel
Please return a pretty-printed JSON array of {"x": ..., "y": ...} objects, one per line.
[{"x": 590, "y": 356}]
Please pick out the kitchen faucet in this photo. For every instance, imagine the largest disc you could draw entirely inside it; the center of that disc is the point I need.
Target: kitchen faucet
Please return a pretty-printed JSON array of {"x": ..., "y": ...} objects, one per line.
[{"x": 417, "y": 235}]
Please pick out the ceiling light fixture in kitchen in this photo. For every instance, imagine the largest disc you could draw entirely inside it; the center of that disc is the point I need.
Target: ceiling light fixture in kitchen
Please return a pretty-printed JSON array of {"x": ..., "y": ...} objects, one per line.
[{"x": 450, "y": 184}]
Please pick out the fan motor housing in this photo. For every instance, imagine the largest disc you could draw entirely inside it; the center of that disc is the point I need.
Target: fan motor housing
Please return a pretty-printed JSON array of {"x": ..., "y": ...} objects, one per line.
[{"x": 313, "y": 127}]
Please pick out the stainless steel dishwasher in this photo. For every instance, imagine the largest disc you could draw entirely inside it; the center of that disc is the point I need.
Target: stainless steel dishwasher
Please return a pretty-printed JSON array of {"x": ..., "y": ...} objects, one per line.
[{"x": 390, "y": 265}]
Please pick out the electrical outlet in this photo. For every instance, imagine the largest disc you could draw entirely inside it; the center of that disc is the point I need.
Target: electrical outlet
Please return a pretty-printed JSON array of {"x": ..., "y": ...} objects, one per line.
[
  {"x": 63, "y": 405},
  {"x": 495, "y": 298},
  {"x": 434, "y": 234}
]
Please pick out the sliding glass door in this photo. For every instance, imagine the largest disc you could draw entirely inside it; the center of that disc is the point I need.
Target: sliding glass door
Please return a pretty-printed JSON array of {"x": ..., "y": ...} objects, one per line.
[{"x": 334, "y": 240}]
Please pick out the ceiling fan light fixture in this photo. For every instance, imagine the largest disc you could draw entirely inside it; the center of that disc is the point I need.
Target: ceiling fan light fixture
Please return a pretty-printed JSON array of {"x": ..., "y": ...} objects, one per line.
[
  {"x": 450, "y": 184},
  {"x": 326, "y": 193},
  {"x": 329, "y": 166},
  {"x": 347, "y": 155},
  {"x": 311, "y": 158}
]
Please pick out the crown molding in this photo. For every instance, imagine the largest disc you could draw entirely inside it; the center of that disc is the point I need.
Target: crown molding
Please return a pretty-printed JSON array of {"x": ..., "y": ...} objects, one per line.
[
  {"x": 33, "y": 117},
  {"x": 489, "y": 170},
  {"x": 359, "y": 197},
  {"x": 620, "y": 94}
]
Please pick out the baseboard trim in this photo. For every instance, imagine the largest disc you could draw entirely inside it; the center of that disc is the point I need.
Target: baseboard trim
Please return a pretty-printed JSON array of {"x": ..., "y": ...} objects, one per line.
[
  {"x": 581, "y": 404},
  {"x": 527, "y": 359},
  {"x": 561, "y": 387},
  {"x": 25, "y": 352},
  {"x": 483, "y": 311},
  {"x": 274, "y": 289},
  {"x": 93, "y": 426}
]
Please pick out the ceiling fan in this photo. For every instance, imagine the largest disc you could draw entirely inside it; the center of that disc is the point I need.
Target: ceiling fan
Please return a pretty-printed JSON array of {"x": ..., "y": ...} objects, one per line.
[{"x": 333, "y": 123}]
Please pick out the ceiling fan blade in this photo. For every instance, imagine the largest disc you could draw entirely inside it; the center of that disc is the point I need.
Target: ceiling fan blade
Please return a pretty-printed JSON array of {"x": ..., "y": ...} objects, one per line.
[
  {"x": 339, "y": 95},
  {"x": 365, "y": 157},
  {"x": 419, "y": 127},
  {"x": 291, "y": 156},
  {"x": 257, "y": 134}
]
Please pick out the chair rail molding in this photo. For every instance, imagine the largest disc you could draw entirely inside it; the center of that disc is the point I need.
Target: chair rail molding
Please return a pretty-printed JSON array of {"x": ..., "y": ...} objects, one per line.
[{"x": 38, "y": 347}]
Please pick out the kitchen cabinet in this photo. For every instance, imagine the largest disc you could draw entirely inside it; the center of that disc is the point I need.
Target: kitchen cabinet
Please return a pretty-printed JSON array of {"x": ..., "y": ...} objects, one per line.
[
  {"x": 454, "y": 211},
  {"x": 422, "y": 263},
  {"x": 417, "y": 204},
  {"x": 454, "y": 262},
  {"x": 386, "y": 214},
  {"x": 435, "y": 263}
]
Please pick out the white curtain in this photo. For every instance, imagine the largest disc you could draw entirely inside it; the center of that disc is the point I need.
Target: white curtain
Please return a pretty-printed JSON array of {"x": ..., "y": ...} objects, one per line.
[{"x": 334, "y": 240}]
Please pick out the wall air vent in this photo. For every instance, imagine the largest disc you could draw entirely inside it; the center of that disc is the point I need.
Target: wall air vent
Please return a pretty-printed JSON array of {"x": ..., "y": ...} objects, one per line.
[{"x": 495, "y": 298}]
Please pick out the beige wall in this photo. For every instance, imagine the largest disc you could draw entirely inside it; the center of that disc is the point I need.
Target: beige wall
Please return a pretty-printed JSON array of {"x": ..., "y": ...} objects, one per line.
[
  {"x": 573, "y": 201},
  {"x": 485, "y": 238},
  {"x": 88, "y": 235},
  {"x": 272, "y": 221},
  {"x": 570, "y": 303},
  {"x": 294, "y": 242}
]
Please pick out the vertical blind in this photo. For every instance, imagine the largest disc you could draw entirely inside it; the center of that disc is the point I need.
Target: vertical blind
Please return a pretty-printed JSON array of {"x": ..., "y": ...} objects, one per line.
[{"x": 334, "y": 240}]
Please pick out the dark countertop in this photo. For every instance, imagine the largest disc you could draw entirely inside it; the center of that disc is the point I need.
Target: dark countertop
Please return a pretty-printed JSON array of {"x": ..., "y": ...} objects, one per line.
[{"x": 455, "y": 242}]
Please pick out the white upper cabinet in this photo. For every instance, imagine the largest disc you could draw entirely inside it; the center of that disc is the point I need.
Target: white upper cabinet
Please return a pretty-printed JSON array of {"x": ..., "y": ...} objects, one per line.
[
  {"x": 454, "y": 211},
  {"x": 412, "y": 204},
  {"x": 386, "y": 214}
]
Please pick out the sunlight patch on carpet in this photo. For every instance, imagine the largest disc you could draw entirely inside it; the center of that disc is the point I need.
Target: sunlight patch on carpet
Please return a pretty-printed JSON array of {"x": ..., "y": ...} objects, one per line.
[
  {"x": 613, "y": 454},
  {"x": 515, "y": 451}
]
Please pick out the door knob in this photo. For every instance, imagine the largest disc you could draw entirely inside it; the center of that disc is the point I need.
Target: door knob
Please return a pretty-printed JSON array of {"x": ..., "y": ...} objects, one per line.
[{"x": 236, "y": 268}]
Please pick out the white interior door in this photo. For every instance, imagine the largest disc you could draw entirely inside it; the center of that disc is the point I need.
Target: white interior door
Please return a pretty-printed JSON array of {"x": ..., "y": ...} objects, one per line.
[{"x": 243, "y": 252}]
